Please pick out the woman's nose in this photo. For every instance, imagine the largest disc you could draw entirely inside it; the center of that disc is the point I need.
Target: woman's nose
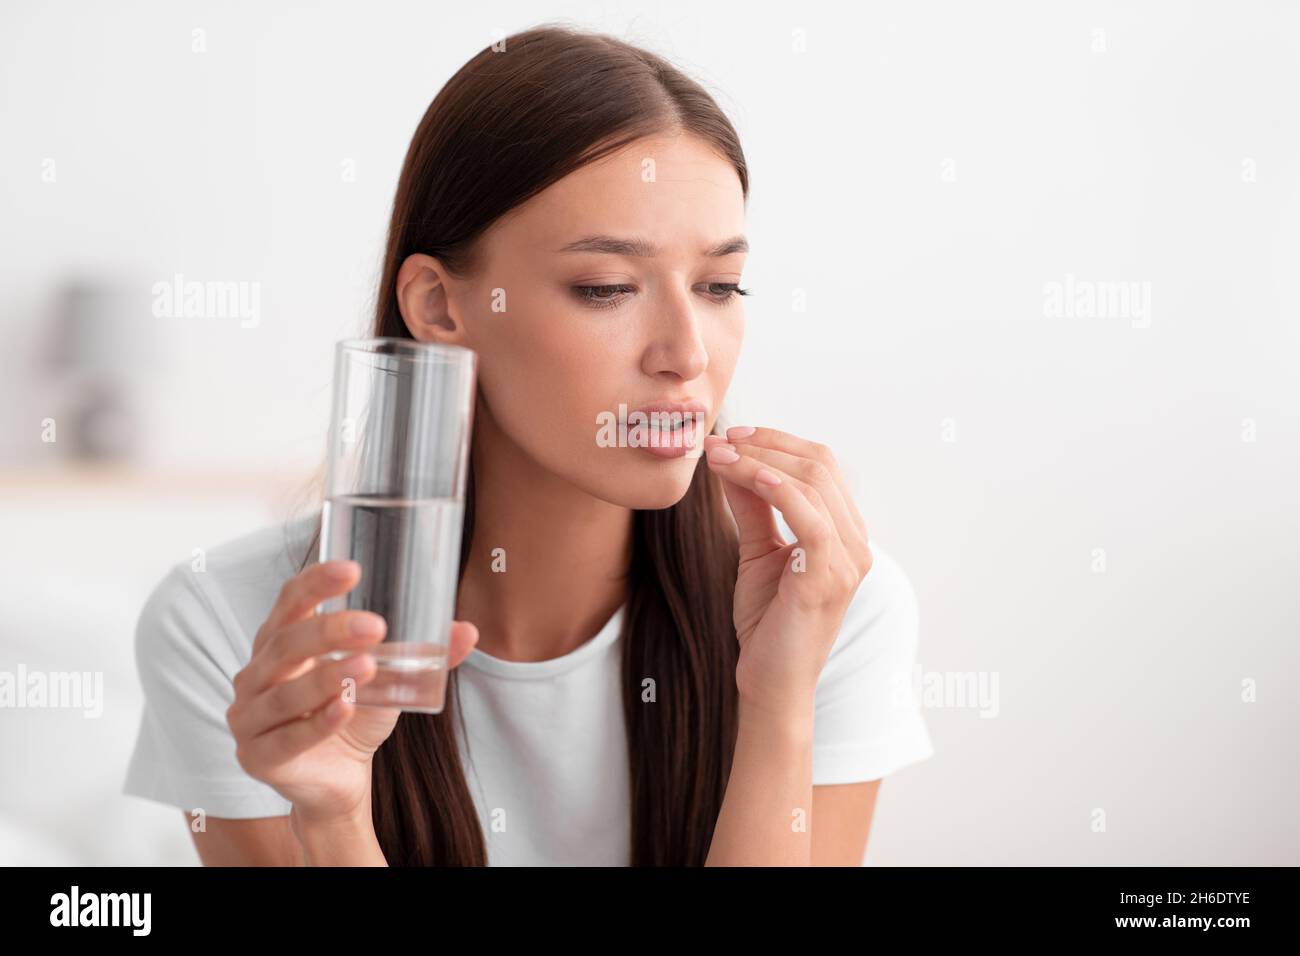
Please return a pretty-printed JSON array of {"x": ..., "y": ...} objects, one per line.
[{"x": 677, "y": 341}]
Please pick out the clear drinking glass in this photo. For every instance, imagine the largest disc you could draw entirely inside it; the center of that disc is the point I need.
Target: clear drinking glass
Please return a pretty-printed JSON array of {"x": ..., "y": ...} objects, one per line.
[{"x": 394, "y": 501}]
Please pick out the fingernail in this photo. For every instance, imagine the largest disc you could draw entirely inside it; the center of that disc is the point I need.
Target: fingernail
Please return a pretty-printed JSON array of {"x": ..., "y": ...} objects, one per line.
[
  {"x": 341, "y": 569},
  {"x": 366, "y": 625},
  {"x": 767, "y": 477},
  {"x": 722, "y": 454},
  {"x": 740, "y": 431}
]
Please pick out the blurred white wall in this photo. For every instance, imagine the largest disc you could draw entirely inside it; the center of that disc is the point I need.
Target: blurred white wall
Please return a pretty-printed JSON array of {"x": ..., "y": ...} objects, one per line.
[{"x": 1100, "y": 511}]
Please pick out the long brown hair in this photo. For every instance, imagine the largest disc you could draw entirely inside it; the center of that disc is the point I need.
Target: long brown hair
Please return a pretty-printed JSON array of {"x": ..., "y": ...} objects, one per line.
[{"x": 509, "y": 123}]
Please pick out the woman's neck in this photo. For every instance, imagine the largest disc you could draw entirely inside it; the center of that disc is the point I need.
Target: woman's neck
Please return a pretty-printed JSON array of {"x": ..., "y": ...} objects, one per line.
[{"x": 565, "y": 555}]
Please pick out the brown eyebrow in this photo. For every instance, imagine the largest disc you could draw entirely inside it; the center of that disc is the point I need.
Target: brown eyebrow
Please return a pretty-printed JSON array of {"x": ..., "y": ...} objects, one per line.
[{"x": 611, "y": 245}]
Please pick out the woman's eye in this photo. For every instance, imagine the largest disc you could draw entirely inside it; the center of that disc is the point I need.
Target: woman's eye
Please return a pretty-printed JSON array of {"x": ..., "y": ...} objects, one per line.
[
  {"x": 601, "y": 296},
  {"x": 608, "y": 296},
  {"x": 723, "y": 291}
]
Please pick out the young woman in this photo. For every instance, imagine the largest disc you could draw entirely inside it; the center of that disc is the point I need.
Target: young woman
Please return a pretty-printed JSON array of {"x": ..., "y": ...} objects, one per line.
[{"x": 658, "y": 678}]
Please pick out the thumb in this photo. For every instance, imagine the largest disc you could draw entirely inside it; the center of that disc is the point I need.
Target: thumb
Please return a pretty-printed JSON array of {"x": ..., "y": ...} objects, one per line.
[
  {"x": 755, "y": 521},
  {"x": 464, "y": 636}
]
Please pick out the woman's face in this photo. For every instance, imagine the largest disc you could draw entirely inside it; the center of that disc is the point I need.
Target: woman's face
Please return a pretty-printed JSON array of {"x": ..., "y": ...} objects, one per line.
[{"x": 639, "y": 309}]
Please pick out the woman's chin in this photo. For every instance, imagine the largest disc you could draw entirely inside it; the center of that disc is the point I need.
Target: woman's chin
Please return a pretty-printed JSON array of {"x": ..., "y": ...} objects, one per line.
[{"x": 656, "y": 483}]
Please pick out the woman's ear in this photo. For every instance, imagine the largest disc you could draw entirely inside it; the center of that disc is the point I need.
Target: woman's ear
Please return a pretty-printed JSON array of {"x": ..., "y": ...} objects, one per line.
[{"x": 423, "y": 300}]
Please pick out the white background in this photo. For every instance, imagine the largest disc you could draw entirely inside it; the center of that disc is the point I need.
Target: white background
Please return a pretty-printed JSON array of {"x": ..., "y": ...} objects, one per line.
[{"x": 921, "y": 172}]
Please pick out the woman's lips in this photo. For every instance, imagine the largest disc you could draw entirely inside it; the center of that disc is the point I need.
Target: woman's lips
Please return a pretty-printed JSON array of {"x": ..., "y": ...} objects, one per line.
[
  {"x": 668, "y": 443},
  {"x": 665, "y": 428}
]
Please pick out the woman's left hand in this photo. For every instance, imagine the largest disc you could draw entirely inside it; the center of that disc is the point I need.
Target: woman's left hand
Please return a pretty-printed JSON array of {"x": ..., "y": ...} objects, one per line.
[{"x": 790, "y": 598}]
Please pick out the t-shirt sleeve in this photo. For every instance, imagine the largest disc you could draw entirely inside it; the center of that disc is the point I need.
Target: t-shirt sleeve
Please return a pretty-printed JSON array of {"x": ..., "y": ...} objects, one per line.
[
  {"x": 867, "y": 722},
  {"x": 185, "y": 751}
]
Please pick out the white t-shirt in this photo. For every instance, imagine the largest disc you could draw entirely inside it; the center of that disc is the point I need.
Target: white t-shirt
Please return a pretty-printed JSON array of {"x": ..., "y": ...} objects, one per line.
[{"x": 546, "y": 740}]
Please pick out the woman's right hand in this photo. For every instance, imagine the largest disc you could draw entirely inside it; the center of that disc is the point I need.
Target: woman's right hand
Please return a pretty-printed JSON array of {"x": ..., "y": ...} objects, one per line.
[{"x": 295, "y": 728}]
